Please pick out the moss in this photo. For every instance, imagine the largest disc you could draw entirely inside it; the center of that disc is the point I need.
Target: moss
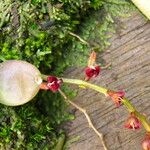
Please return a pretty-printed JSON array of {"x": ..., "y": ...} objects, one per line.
[{"x": 38, "y": 31}]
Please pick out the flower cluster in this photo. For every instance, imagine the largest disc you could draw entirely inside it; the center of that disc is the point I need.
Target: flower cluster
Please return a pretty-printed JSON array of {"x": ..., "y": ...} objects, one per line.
[
  {"x": 133, "y": 121},
  {"x": 93, "y": 70}
]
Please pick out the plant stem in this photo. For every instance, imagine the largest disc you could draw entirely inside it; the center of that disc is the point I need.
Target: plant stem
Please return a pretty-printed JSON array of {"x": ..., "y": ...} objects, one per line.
[
  {"x": 100, "y": 135},
  {"x": 81, "y": 83},
  {"x": 79, "y": 38},
  {"x": 102, "y": 90}
]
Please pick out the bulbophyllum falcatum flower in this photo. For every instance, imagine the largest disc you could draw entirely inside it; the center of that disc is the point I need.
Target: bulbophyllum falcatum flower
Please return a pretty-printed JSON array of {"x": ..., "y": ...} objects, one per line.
[
  {"x": 146, "y": 142},
  {"x": 92, "y": 70},
  {"x": 116, "y": 96},
  {"x": 53, "y": 83},
  {"x": 132, "y": 122}
]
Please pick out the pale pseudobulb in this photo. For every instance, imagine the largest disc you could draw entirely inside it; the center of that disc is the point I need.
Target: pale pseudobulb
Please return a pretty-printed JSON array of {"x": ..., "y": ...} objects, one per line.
[{"x": 19, "y": 82}]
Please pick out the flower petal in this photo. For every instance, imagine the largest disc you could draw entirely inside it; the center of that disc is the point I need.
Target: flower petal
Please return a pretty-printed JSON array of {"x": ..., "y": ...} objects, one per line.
[
  {"x": 92, "y": 71},
  {"x": 116, "y": 96},
  {"x": 53, "y": 83},
  {"x": 132, "y": 122}
]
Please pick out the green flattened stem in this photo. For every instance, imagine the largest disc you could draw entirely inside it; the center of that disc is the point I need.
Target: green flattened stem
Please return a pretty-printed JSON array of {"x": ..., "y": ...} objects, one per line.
[
  {"x": 81, "y": 83},
  {"x": 102, "y": 90},
  {"x": 85, "y": 84}
]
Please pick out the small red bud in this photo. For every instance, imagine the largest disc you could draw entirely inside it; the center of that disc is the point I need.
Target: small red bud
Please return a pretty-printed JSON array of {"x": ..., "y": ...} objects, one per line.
[
  {"x": 132, "y": 122},
  {"x": 53, "y": 83},
  {"x": 146, "y": 142},
  {"x": 116, "y": 96}
]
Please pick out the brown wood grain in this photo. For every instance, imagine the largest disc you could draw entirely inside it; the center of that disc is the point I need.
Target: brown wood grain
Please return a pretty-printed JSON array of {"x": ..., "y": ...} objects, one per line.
[{"x": 130, "y": 58}]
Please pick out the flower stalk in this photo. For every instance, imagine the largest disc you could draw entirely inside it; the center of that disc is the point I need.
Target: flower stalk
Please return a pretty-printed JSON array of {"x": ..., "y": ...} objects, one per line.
[{"x": 102, "y": 90}]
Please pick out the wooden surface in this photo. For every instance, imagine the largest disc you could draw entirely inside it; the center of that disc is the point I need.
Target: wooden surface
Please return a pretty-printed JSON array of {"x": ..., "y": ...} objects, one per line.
[{"x": 130, "y": 58}]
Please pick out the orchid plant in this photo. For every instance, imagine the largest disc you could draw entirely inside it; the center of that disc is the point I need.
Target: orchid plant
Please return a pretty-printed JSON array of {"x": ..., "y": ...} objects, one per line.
[{"x": 20, "y": 81}]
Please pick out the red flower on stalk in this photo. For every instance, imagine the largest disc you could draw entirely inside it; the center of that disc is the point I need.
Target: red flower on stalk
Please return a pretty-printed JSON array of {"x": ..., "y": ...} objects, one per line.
[
  {"x": 53, "y": 83},
  {"x": 146, "y": 142},
  {"x": 132, "y": 122},
  {"x": 92, "y": 70},
  {"x": 116, "y": 96}
]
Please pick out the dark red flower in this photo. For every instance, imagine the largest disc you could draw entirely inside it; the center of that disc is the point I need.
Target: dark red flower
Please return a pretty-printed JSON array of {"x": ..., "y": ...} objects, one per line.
[
  {"x": 116, "y": 96},
  {"x": 92, "y": 71},
  {"x": 146, "y": 142},
  {"x": 53, "y": 83},
  {"x": 132, "y": 122}
]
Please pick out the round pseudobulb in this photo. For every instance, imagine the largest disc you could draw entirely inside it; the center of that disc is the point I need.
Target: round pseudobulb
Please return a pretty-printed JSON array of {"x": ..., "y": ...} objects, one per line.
[{"x": 19, "y": 82}]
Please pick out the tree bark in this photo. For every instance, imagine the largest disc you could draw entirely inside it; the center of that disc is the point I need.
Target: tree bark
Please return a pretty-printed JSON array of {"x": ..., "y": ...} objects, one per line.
[{"x": 130, "y": 58}]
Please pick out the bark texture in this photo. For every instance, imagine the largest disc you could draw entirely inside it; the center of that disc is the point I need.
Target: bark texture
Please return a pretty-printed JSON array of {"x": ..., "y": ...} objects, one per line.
[{"x": 130, "y": 58}]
